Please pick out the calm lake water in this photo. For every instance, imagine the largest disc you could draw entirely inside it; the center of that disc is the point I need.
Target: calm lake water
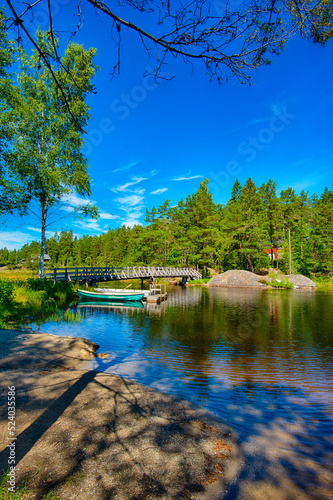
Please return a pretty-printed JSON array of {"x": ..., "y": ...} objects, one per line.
[{"x": 261, "y": 360}]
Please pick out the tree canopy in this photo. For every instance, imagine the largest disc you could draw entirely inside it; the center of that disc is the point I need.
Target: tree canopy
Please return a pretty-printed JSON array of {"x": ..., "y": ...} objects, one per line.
[
  {"x": 227, "y": 38},
  {"x": 13, "y": 196},
  {"x": 45, "y": 154},
  {"x": 243, "y": 234}
]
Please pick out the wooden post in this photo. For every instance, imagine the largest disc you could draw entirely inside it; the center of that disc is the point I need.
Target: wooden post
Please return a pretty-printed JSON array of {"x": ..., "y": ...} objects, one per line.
[
  {"x": 66, "y": 274},
  {"x": 77, "y": 276},
  {"x": 55, "y": 275}
]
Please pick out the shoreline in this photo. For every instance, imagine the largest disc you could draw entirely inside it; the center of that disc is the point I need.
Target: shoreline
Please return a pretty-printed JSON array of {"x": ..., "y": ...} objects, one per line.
[
  {"x": 84, "y": 434},
  {"x": 99, "y": 434}
]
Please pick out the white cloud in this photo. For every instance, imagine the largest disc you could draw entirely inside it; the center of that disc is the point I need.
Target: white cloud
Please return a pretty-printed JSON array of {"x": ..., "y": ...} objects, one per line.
[
  {"x": 187, "y": 178},
  {"x": 134, "y": 220},
  {"x": 133, "y": 205},
  {"x": 129, "y": 201},
  {"x": 14, "y": 239},
  {"x": 49, "y": 234},
  {"x": 126, "y": 167},
  {"x": 74, "y": 200},
  {"x": 68, "y": 208},
  {"x": 90, "y": 224},
  {"x": 124, "y": 187},
  {"x": 107, "y": 216},
  {"x": 159, "y": 191}
]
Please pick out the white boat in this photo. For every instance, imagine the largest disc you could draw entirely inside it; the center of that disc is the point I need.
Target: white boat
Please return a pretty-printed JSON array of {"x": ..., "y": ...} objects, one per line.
[
  {"x": 110, "y": 296},
  {"x": 122, "y": 291}
]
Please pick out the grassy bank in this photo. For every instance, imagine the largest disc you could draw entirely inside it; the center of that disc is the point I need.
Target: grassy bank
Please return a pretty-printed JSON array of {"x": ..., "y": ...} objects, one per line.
[
  {"x": 200, "y": 282},
  {"x": 323, "y": 283},
  {"x": 17, "y": 274},
  {"x": 23, "y": 301}
]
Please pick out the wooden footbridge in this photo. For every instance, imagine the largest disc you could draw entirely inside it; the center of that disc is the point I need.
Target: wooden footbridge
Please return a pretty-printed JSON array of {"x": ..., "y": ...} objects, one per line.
[{"x": 90, "y": 275}]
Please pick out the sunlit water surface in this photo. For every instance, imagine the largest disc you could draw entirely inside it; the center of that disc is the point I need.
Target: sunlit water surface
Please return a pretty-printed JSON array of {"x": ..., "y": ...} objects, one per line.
[{"x": 261, "y": 360}]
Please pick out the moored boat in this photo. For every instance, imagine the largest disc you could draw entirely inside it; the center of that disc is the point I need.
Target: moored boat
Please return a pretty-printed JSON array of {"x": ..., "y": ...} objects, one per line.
[
  {"x": 122, "y": 297},
  {"x": 119, "y": 291},
  {"x": 105, "y": 304}
]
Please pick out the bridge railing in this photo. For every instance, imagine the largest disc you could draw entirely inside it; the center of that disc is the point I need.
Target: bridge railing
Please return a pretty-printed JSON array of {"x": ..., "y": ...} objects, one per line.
[{"x": 98, "y": 274}]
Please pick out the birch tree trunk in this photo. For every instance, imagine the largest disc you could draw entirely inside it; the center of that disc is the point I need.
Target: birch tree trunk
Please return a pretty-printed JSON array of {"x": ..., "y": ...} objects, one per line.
[{"x": 43, "y": 241}]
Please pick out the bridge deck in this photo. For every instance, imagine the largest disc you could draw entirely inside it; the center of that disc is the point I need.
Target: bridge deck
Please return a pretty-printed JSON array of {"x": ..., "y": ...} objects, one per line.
[{"x": 99, "y": 274}]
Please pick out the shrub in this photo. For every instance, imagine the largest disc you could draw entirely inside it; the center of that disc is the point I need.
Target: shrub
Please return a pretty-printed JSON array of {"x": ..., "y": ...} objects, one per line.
[
  {"x": 59, "y": 291},
  {"x": 281, "y": 282},
  {"x": 6, "y": 291}
]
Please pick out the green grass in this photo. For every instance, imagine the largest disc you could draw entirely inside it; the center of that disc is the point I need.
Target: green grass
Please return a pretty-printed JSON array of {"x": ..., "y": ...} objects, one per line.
[
  {"x": 200, "y": 282},
  {"x": 33, "y": 298},
  {"x": 23, "y": 492},
  {"x": 5, "y": 494},
  {"x": 323, "y": 283},
  {"x": 282, "y": 283}
]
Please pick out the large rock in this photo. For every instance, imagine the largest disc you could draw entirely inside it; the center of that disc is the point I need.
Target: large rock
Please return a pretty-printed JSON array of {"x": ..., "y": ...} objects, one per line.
[
  {"x": 236, "y": 278},
  {"x": 300, "y": 281},
  {"x": 40, "y": 350}
]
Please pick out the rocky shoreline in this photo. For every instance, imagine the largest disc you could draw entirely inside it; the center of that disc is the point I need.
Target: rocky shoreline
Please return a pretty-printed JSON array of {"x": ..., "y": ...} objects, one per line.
[{"x": 84, "y": 434}]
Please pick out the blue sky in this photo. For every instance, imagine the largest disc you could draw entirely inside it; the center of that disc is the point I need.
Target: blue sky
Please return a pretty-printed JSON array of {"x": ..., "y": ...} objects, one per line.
[{"x": 149, "y": 142}]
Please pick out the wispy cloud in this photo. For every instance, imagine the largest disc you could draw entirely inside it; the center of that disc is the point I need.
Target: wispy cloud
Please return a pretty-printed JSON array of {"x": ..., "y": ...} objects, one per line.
[
  {"x": 49, "y": 234},
  {"x": 300, "y": 185},
  {"x": 14, "y": 239},
  {"x": 90, "y": 225},
  {"x": 125, "y": 187},
  {"x": 127, "y": 167},
  {"x": 187, "y": 178},
  {"x": 159, "y": 191},
  {"x": 74, "y": 200},
  {"x": 131, "y": 200},
  {"x": 107, "y": 216},
  {"x": 71, "y": 202},
  {"x": 133, "y": 206}
]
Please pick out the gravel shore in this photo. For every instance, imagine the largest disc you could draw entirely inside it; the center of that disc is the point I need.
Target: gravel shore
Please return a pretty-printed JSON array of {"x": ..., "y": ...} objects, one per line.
[{"x": 83, "y": 434}]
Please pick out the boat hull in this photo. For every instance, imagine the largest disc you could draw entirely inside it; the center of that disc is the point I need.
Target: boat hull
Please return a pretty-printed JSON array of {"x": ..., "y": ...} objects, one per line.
[
  {"x": 105, "y": 304},
  {"x": 111, "y": 297},
  {"x": 120, "y": 291}
]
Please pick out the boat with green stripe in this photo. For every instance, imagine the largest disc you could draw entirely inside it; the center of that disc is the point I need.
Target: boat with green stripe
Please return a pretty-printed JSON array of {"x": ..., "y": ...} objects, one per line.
[{"x": 111, "y": 297}]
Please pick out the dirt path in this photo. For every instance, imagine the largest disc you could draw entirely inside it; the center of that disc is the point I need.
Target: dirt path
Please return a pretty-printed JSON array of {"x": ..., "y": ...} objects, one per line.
[{"x": 88, "y": 435}]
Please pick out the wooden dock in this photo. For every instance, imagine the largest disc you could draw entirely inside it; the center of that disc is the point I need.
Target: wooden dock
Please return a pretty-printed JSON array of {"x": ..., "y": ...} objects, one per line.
[
  {"x": 157, "y": 295},
  {"x": 156, "y": 298}
]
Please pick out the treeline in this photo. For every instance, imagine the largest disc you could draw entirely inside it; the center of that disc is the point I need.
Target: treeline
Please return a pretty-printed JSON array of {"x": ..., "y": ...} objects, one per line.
[{"x": 198, "y": 232}]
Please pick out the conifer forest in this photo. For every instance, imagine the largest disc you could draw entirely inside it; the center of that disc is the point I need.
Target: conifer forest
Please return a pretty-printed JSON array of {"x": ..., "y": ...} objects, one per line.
[{"x": 242, "y": 234}]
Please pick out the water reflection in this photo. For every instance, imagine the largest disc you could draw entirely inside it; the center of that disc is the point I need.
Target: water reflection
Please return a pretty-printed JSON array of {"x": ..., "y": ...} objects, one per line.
[
  {"x": 262, "y": 360},
  {"x": 104, "y": 304}
]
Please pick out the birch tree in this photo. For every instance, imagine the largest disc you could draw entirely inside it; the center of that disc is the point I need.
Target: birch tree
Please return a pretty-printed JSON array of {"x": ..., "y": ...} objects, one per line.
[{"x": 46, "y": 153}]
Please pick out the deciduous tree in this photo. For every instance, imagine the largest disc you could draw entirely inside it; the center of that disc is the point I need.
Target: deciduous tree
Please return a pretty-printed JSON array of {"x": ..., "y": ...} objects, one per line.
[
  {"x": 227, "y": 38},
  {"x": 46, "y": 145}
]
